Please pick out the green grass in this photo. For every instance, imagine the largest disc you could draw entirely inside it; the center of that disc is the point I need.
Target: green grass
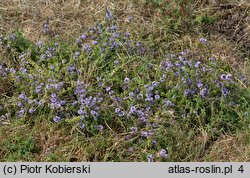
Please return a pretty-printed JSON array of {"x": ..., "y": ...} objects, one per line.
[{"x": 45, "y": 142}]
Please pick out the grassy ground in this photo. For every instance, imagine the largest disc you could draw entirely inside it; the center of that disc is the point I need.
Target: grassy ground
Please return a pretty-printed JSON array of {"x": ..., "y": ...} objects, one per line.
[{"x": 162, "y": 25}]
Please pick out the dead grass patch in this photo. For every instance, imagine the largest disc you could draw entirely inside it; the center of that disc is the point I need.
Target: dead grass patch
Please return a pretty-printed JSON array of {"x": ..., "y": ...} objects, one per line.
[{"x": 230, "y": 148}]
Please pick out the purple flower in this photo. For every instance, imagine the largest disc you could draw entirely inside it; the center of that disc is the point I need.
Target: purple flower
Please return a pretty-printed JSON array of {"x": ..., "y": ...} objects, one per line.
[
  {"x": 189, "y": 81},
  {"x": 199, "y": 84},
  {"x": 53, "y": 100},
  {"x": 62, "y": 102},
  {"x": 108, "y": 15},
  {"x": 204, "y": 69},
  {"x": 228, "y": 77},
  {"x": 70, "y": 68},
  {"x": 150, "y": 99},
  {"x": 197, "y": 64},
  {"x": 126, "y": 80},
  {"x": 52, "y": 105},
  {"x": 82, "y": 126},
  {"x": 187, "y": 92},
  {"x": 117, "y": 99},
  {"x": 23, "y": 96},
  {"x": 132, "y": 109},
  {"x": 203, "y": 40},
  {"x": 58, "y": 105},
  {"x": 113, "y": 28},
  {"x": 56, "y": 44},
  {"x": 53, "y": 95},
  {"x": 181, "y": 58},
  {"x": 163, "y": 153},
  {"x": 155, "y": 84},
  {"x": 87, "y": 48},
  {"x": 40, "y": 103},
  {"x": 140, "y": 96},
  {"x": 150, "y": 158},
  {"x": 127, "y": 34},
  {"x": 111, "y": 92},
  {"x": 144, "y": 134},
  {"x": 162, "y": 79},
  {"x": 12, "y": 37},
  {"x": 83, "y": 36},
  {"x": 117, "y": 110},
  {"x": 133, "y": 129},
  {"x": 140, "y": 113},
  {"x": 115, "y": 35},
  {"x": 99, "y": 99},
  {"x": 176, "y": 73},
  {"x": 131, "y": 94},
  {"x": 220, "y": 84},
  {"x": 93, "y": 113},
  {"x": 38, "y": 89},
  {"x": 52, "y": 67},
  {"x": 157, "y": 96},
  {"x": 20, "y": 104},
  {"x": 80, "y": 111},
  {"x": 223, "y": 77},
  {"x": 21, "y": 112},
  {"x": 154, "y": 143},
  {"x": 32, "y": 110},
  {"x": 94, "y": 42},
  {"x": 225, "y": 91},
  {"x": 193, "y": 91},
  {"x": 143, "y": 119},
  {"x": 108, "y": 89},
  {"x": 121, "y": 114},
  {"x": 204, "y": 92},
  {"x": 177, "y": 64},
  {"x": 46, "y": 27},
  {"x": 114, "y": 45},
  {"x": 183, "y": 80},
  {"x": 56, "y": 119},
  {"x": 149, "y": 88},
  {"x": 190, "y": 64},
  {"x": 39, "y": 44},
  {"x": 169, "y": 64},
  {"x": 77, "y": 53}
]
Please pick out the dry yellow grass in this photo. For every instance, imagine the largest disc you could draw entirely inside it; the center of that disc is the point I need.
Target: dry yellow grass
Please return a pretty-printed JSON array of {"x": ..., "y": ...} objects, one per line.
[
  {"x": 230, "y": 148},
  {"x": 66, "y": 17}
]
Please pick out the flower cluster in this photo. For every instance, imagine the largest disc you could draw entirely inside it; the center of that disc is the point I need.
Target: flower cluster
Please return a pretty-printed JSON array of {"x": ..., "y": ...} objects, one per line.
[{"x": 108, "y": 78}]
